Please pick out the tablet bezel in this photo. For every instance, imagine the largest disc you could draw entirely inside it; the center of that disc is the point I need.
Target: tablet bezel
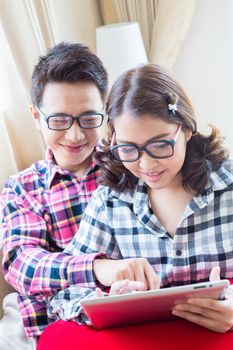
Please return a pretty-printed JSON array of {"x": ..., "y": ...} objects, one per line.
[{"x": 147, "y": 306}]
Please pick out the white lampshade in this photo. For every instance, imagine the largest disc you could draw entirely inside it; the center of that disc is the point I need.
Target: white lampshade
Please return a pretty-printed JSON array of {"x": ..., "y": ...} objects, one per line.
[{"x": 120, "y": 47}]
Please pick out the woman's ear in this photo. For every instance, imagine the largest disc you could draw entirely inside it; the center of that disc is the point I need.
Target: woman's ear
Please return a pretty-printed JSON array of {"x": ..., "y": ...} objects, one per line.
[
  {"x": 188, "y": 135},
  {"x": 35, "y": 115}
]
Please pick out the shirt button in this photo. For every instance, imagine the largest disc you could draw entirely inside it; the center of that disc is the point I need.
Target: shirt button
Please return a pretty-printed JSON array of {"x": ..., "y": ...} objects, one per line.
[{"x": 179, "y": 252}]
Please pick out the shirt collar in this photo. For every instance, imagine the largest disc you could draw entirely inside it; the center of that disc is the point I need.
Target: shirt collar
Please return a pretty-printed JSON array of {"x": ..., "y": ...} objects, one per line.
[
  {"x": 54, "y": 170},
  {"x": 220, "y": 180},
  {"x": 140, "y": 197}
]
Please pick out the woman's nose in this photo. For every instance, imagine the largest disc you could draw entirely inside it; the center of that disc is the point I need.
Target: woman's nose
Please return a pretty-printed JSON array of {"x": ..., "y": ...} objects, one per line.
[{"x": 146, "y": 162}]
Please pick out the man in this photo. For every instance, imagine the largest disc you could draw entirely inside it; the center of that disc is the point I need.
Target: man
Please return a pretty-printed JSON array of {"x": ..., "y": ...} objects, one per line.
[{"x": 42, "y": 205}]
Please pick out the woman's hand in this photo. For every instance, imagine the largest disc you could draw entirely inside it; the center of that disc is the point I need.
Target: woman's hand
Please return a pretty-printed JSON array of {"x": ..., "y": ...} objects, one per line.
[
  {"x": 126, "y": 286},
  {"x": 122, "y": 287},
  {"x": 137, "y": 269},
  {"x": 216, "y": 315}
]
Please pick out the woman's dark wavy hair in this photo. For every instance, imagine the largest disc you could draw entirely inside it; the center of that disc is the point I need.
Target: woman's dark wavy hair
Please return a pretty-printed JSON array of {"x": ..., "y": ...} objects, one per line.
[{"x": 147, "y": 90}]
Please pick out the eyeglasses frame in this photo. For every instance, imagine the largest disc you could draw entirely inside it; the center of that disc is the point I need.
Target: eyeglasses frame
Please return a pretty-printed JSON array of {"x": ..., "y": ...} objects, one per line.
[
  {"x": 171, "y": 142},
  {"x": 75, "y": 118}
]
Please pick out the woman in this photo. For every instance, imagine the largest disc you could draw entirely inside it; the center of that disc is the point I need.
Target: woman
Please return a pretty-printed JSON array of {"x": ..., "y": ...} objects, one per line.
[{"x": 168, "y": 198}]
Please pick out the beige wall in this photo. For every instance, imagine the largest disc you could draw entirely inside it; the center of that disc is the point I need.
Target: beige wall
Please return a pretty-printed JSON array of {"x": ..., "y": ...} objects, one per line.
[{"x": 205, "y": 65}]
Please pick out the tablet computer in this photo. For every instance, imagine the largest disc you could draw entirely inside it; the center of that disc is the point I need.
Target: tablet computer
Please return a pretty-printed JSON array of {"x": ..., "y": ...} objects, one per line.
[{"x": 148, "y": 306}]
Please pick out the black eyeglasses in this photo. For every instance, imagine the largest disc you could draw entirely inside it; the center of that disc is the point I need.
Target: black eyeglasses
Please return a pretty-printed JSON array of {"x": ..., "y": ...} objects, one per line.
[
  {"x": 156, "y": 149},
  {"x": 62, "y": 121}
]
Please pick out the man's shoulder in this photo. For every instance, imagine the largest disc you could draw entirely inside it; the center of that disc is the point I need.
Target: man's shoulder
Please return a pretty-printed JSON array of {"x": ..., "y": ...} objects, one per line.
[{"x": 28, "y": 177}]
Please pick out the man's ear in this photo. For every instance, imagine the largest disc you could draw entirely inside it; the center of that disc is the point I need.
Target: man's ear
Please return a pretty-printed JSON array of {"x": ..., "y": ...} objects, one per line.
[{"x": 35, "y": 115}]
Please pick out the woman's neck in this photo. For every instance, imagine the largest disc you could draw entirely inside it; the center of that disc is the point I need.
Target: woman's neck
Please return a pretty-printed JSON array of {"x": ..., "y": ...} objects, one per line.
[{"x": 169, "y": 204}]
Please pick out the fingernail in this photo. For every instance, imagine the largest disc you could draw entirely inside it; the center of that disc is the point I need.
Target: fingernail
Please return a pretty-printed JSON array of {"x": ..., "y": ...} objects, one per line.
[{"x": 175, "y": 312}]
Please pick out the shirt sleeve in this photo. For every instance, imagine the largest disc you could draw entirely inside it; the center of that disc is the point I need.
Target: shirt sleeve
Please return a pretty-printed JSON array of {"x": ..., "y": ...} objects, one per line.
[
  {"x": 29, "y": 264},
  {"x": 66, "y": 305},
  {"x": 95, "y": 235}
]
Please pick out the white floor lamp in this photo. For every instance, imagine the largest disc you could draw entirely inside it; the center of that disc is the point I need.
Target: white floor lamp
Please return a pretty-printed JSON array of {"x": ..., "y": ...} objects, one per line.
[{"x": 120, "y": 47}]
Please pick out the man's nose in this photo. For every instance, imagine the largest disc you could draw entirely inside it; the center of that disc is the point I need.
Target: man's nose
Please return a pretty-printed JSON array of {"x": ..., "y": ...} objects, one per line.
[{"x": 75, "y": 133}]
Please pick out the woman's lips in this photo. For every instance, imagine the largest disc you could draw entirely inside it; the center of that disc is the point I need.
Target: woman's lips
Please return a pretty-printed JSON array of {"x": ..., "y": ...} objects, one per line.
[{"x": 154, "y": 177}]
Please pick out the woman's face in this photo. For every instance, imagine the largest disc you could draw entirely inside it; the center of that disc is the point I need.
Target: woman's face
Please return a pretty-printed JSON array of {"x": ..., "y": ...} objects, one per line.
[{"x": 156, "y": 173}]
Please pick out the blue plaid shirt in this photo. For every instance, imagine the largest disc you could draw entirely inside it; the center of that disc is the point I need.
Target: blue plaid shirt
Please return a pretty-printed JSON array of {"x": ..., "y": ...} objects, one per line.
[{"x": 122, "y": 225}]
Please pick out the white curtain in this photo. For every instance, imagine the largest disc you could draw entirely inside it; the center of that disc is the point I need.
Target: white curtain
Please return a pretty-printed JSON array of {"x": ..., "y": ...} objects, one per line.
[
  {"x": 164, "y": 24},
  {"x": 8, "y": 162},
  {"x": 27, "y": 28},
  {"x": 22, "y": 40}
]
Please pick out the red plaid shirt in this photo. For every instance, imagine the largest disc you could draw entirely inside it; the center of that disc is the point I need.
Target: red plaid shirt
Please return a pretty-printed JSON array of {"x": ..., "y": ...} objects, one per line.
[{"x": 41, "y": 208}]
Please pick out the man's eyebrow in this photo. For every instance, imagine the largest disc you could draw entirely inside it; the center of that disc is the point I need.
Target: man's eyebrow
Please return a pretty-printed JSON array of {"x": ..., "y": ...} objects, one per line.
[
  {"x": 82, "y": 113},
  {"x": 155, "y": 138},
  {"x": 92, "y": 111}
]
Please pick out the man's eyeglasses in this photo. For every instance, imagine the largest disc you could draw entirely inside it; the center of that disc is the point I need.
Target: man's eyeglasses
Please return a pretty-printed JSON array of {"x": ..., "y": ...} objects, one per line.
[
  {"x": 156, "y": 149},
  {"x": 61, "y": 121}
]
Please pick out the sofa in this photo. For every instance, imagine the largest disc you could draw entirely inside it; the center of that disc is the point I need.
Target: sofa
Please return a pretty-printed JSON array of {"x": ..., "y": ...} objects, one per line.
[{"x": 12, "y": 335}]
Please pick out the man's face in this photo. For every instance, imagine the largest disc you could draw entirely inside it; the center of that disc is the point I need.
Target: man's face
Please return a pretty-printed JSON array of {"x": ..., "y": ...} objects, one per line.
[{"x": 72, "y": 148}]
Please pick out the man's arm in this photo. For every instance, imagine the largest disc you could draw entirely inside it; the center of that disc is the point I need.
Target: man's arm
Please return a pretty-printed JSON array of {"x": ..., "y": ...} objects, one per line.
[{"x": 28, "y": 263}]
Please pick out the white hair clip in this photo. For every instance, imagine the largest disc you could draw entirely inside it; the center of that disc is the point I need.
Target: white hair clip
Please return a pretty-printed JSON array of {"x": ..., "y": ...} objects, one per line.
[{"x": 172, "y": 108}]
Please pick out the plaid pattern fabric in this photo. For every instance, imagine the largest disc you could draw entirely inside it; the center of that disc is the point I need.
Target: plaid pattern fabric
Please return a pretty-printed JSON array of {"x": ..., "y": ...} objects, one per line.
[
  {"x": 122, "y": 225},
  {"x": 41, "y": 209},
  {"x": 66, "y": 305}
]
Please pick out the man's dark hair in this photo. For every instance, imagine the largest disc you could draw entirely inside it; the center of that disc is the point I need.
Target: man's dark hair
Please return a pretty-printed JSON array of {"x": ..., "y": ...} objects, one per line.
[{"x": 70, "y": 63}]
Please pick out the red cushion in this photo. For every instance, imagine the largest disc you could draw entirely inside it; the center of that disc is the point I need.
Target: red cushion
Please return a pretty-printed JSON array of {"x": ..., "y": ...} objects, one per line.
[{"x": 173, "y": 335}]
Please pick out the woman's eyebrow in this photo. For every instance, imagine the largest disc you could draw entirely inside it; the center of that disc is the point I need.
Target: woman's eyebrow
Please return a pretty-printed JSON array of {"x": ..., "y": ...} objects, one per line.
[{"x": 160, "y": 136}]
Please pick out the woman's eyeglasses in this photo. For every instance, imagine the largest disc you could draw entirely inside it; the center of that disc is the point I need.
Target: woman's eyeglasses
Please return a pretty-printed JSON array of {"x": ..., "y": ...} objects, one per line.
[{"x": 156, "y": 149}]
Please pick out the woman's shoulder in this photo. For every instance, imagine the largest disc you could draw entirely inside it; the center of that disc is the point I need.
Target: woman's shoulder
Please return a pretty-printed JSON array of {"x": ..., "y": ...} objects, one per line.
[
  {"x": 104, "y": 193},
  {"x": 105, "y": 197},
  {"x": 222, "y": 177},
  {"x": 226, "y": 167}
]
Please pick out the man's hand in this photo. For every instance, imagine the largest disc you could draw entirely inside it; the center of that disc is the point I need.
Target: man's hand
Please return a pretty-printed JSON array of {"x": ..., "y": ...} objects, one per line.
[{"x": 136, "y": 269}]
